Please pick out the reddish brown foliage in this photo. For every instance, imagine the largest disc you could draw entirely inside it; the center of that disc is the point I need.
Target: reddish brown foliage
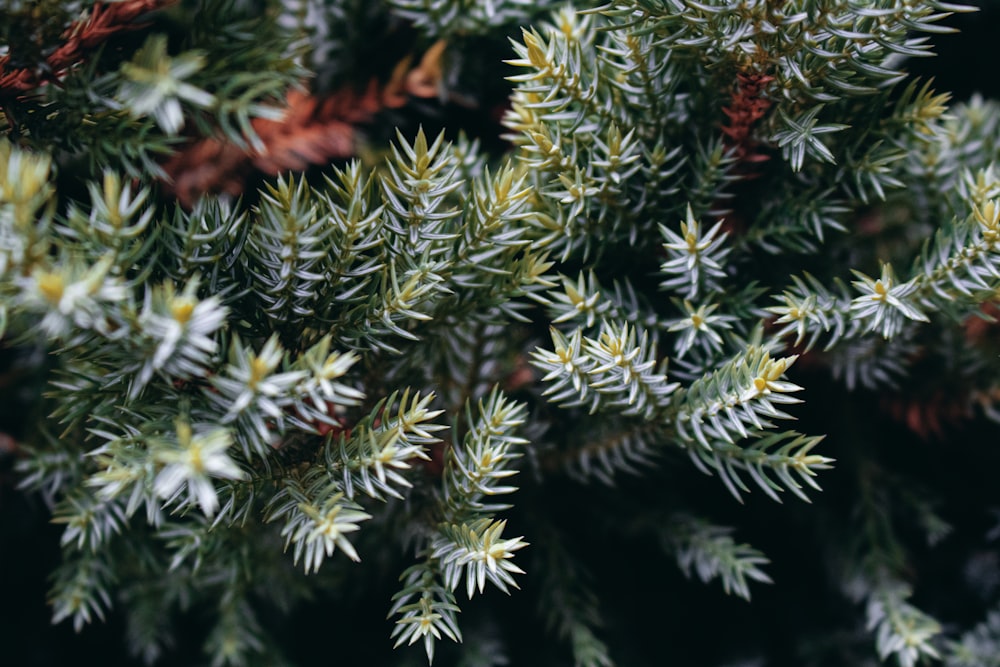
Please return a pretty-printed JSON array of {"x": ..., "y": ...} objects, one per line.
[
  {"x": 103, "y": 21},
  {"x": 928, "y": 416},
  {"x": 314, "y": 130},
  {"x": 748, "y": 105},
  {"x": 978, "y": 328}
]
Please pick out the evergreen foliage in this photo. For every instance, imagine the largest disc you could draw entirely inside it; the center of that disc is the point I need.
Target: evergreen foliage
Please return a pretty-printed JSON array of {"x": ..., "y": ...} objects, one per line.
[{"x": 418, "y": 365}]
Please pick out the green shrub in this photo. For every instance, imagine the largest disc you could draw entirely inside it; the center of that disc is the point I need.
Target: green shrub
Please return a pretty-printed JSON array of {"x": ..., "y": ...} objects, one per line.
[{"x": 475, "y": 371}]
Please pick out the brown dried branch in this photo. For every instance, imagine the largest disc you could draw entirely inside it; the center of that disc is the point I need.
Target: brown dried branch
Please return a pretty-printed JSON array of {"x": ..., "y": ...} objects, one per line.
[
  {"x": 313, "y": 130},
  {"x": 84, "y": 35},
  {"x": 748, "y": 105}
]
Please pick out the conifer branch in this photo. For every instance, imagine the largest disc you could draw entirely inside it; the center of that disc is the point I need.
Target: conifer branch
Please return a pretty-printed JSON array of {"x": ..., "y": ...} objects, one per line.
[{"x": 710, "y": 552}]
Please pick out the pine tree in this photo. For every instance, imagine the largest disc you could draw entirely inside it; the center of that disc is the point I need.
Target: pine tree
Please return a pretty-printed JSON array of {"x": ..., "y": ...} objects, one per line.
[{"x": 460, "y": 369}]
